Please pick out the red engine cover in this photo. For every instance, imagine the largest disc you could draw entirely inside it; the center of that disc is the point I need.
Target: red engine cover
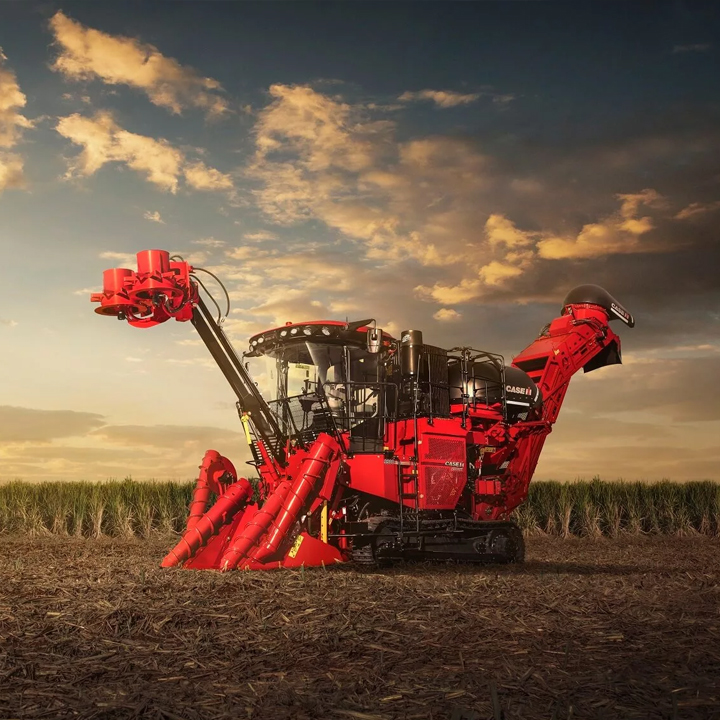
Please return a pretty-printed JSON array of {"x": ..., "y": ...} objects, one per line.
[{"x": 442, "y": 471}]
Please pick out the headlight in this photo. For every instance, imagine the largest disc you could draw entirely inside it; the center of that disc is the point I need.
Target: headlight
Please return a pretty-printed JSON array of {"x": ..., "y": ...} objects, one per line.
[
  {"x": 325, "y": 330},
  {"x": 261, "y": 339},
  {"x": 307, "y": 331},
  {"x": 294, "y": 331},
  {"x": 283, "y": 333}
]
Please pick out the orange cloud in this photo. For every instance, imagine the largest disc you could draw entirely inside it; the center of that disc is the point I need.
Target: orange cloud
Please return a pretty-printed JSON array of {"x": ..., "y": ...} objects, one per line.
[
  {"x": 426, "y": 202},
  {"x": 12, "y": 99},
  {"x": 201, "y": 177},
  {"x": 467, "y": 289},
  {"x": 12, "y": 125},
  {"x": 11, "y": 171},
  {"x": 620, "y": 233},
  {"x": 104, "y": 141},
  {"x": 696, "y": 208},
  {"x": 496, "y": 273},
  {"x": 501, "y": 231},
  {"x": 447, "y": 315},
  {"x": 86, "y": 53},
  {"x": 320, "y": 158}
]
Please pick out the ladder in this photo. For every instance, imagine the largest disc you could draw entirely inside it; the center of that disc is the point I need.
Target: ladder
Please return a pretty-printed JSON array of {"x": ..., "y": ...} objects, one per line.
[{"x": 408, "y": 476}]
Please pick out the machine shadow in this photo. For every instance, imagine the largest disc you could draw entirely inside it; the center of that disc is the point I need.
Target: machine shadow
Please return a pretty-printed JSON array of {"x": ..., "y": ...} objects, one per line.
[{"x": 530, "y": 568}]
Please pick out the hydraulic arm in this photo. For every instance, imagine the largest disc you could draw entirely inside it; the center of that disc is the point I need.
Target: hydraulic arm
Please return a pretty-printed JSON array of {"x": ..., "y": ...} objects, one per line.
[{"x": 163, "y": 289}]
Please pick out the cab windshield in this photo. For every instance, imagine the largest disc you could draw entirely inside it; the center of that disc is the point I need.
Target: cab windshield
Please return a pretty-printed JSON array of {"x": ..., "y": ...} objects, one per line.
[{"x": 339, "y": 374}]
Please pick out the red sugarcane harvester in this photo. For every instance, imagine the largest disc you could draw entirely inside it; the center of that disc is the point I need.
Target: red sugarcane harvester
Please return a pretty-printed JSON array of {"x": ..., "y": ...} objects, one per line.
[{"x": 366, "y": 447}]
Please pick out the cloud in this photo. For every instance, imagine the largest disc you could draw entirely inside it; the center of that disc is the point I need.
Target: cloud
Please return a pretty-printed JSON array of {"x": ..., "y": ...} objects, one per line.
[
  {"x": 447, "y": 315},
  {"x": 501, "y": 231},
  {"x": 658, "y": 415},
  {"x": 11, "y": 171},
  {"x": 8, "y": 323},
  {"x": 12, "y": 125},
  {"x": 104, "y": 141},
  {"x": 85, "y": 291},
  {"x": 85, "y": 53},
  {"x": 12, "y": 99},
  {"x": 201, "y": 177},
  {"x": 320, "y": 158},
  {"x": 696, "y": 208},
  {"x": 442, "y": 98},
  {"x": 270, "y": 285},
  {"x": 464, "y": 221},
  {"x": 671, "y": 389},
  {"x": 19, "y": 424},
  {"x": 503, "y": 99},
  {"x": 245, "y": 253},
  {"x": 511, "y": 253},
  {"x": 697, "y": 47},
  {"x": 467, "y": 289},
  {"x": 320, "y": 129},
  {"x": 259, "y": 236},
  {"x": 32, "y": 447},
  {"x": 619, "y": 233},
  {"x": 496, "y": 273},
  {"x": 450, "y": 98},
  {"x": 179, "y": 437},
  {"x": 209, "y": 242},
  {"x": 153, "y": 217},
  {"x": 192, "y": 258}
]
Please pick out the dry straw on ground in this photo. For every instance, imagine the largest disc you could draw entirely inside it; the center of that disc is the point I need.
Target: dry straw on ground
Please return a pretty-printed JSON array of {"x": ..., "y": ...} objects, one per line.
[{"x": 589, "y": 628}]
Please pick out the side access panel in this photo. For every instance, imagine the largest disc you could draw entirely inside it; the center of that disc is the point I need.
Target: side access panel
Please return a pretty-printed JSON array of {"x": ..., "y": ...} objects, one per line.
[{"x": 441, "y": 471}]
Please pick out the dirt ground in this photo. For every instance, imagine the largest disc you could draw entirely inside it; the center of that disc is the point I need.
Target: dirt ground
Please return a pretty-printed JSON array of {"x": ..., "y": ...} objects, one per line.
[{"x": 621, "y": 629}]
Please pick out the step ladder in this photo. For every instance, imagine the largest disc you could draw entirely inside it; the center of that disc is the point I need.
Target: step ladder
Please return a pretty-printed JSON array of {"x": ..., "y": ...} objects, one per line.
[{"x": 408, "y": 489}]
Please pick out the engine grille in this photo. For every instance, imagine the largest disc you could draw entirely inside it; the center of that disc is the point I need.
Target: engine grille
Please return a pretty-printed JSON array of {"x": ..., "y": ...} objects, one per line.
[{"x": 443, "y": 449}]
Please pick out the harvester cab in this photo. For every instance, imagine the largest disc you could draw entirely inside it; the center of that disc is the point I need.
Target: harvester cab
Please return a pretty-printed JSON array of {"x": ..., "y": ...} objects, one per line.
[{"x": 367, "y": 447}]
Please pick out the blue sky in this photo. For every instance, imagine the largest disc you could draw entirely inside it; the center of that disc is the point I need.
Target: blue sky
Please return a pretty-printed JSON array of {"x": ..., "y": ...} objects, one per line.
[{"x": 455, "y": 167}]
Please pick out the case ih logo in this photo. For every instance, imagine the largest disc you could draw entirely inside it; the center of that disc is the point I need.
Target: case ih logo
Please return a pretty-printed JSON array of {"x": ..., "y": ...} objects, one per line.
[
  {"x": 450, "y": 463},
  {"x": 517, "y": 390},
  {"x": 620, "y": 311}
]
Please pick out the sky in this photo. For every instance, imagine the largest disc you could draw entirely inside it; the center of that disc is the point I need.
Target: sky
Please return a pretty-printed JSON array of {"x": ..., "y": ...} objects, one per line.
[{"x": 450, "y": 167}]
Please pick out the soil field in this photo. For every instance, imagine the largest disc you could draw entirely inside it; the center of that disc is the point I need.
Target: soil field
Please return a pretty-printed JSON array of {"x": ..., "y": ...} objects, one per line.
[{"x": 624, "y": 628}]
